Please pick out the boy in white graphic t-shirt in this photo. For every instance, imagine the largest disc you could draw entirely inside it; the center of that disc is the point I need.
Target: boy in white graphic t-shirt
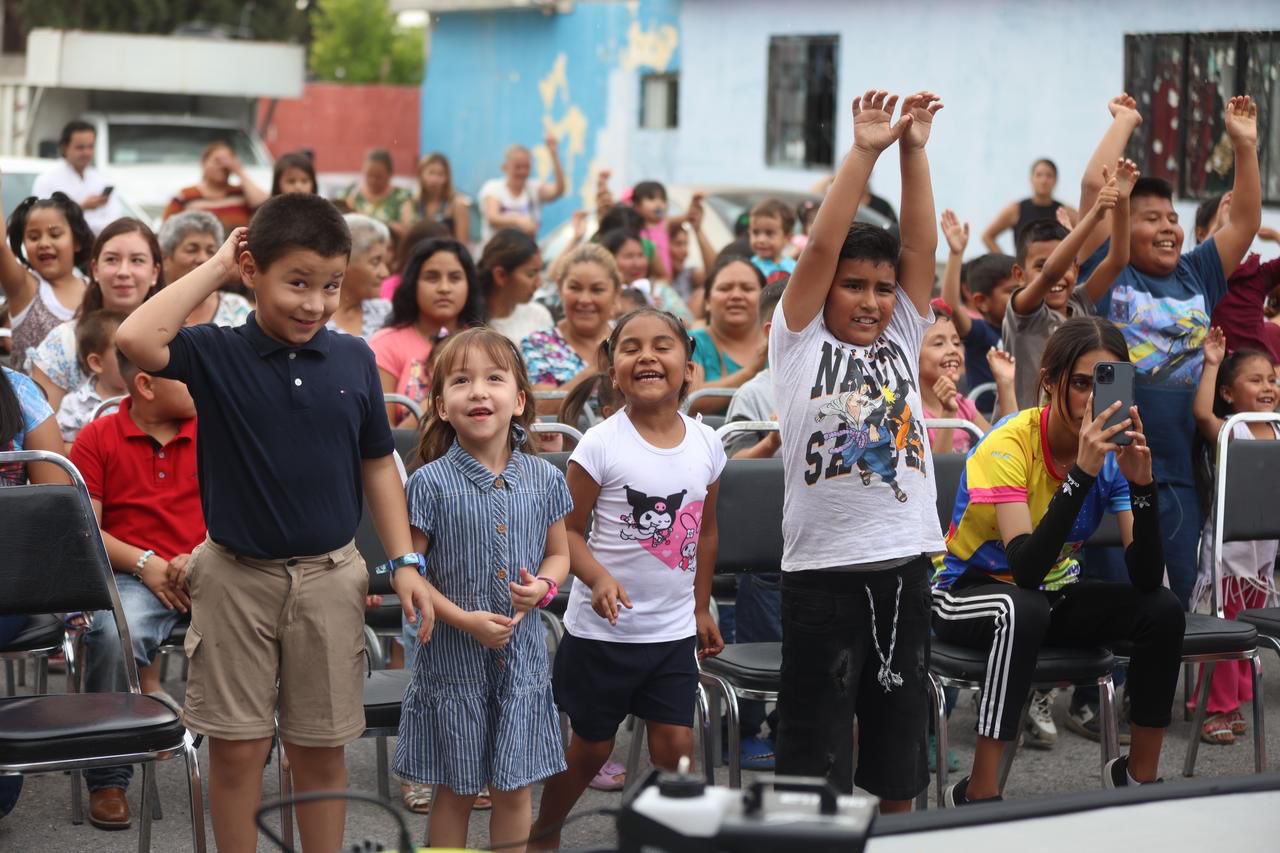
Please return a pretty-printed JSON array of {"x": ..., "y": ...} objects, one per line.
[{"x": 858, "y": 520}]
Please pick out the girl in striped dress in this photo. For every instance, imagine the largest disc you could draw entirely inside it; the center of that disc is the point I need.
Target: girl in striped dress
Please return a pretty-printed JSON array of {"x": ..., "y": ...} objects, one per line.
[{"x": 488, "y": 515}]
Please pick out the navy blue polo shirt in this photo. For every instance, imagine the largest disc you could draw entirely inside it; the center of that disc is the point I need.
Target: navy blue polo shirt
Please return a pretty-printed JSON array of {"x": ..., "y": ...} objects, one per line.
[{"x": 281, "y": 434}]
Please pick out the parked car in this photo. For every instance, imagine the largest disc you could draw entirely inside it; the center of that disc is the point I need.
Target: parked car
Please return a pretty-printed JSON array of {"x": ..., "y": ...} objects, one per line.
[
  {"x": 20, "y": 173},
  {"x": 724, "y": 205}
]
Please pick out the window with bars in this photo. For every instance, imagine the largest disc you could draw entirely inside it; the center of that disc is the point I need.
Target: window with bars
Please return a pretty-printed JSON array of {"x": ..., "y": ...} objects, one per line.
[
  {"x": 800, "y": 114},
  {"x": 1182, "y": 82}
]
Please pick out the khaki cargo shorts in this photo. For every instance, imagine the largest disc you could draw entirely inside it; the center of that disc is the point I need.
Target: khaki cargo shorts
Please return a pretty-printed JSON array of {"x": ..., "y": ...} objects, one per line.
[{"x": 277, "y": 638}]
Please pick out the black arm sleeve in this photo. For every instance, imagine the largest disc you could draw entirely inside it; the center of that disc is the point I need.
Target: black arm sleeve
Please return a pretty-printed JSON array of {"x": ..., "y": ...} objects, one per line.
[
  {"x": 1033, "y": 554},
  {"x": 1145, "y": 555}
]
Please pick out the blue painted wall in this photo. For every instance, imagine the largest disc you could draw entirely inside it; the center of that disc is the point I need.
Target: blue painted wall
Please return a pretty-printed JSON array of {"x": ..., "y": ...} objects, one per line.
[{"x": 496, "y": 78}]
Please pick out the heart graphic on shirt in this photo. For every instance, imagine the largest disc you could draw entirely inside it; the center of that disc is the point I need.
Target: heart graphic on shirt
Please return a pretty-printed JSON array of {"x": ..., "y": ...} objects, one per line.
[{"x": 676, "y": 546}]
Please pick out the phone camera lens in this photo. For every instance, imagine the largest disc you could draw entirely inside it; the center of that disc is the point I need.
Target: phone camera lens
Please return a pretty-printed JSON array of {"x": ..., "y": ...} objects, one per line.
[{"x": 1106, "y": 374}]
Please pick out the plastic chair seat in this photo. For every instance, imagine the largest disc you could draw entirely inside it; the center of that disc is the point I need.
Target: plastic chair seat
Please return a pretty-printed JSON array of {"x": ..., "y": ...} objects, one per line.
[
  {"x": 383, "y": 697},
  {"x": 724, "y": 586},
  {"x": 1053, "y": 665},
  {"x": 1266, "y": 620},
  {"x": 1209, "y": 635},
  {"x": 749, "y": 666},
  {"x": 72, "y": 726},
  {"x": 387, "y": 617},
  {"x": 42, "y": 632}
]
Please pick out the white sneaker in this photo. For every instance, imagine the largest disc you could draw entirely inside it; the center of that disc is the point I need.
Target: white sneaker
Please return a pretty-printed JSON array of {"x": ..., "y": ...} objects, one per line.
[{"x": 1040, "y": 732}]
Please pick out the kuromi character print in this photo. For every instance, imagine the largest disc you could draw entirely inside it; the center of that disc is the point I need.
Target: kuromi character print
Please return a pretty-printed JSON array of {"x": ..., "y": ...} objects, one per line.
[{"x": 651, "y": 518}]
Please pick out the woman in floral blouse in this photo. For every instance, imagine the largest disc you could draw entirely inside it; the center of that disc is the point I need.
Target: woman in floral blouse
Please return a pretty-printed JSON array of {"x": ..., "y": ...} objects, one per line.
[{"x": 567, "y": 353}]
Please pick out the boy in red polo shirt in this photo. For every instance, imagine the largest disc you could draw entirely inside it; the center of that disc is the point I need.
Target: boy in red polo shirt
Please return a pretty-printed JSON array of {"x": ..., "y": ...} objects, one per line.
[{"x": 139, "y": 464}]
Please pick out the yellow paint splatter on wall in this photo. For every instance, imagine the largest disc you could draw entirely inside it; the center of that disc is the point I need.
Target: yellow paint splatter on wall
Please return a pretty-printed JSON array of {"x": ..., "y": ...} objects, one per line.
[
  {"x": 570, "y": 128},
  {"x": 649, "y": 48},
  {"x": 555, "y": 82}
]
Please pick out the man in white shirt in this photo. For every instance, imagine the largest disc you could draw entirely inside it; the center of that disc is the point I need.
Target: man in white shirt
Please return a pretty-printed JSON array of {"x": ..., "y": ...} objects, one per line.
[{"x": 76, "y": 176}]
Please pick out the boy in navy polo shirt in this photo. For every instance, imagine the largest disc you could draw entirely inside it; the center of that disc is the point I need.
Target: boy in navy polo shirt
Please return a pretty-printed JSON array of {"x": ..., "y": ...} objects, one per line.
[{"x": 292, "y": 434}]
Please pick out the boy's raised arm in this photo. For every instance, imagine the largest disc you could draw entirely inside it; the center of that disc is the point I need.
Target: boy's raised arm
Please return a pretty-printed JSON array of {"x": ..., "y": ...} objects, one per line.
[
  {"x": 1125, "y": 119},
  {"x": 144, "y": 337},
  {"x": 1064, "y": 254},
  {"x": 1234, "y": 239},
  {"x": 1105, "y": 274},
  {"x": 957, "y": 235},
  {"x": 811, "y": 281},
  {"x": 918, "y": 260}
]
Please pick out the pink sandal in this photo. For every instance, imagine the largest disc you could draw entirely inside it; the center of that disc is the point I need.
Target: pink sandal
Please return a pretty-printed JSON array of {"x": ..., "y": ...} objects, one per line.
[{"x": 612, "y": 777}]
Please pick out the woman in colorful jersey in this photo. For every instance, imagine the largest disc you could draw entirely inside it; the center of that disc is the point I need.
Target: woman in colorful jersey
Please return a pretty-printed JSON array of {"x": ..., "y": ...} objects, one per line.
[{"x": 1033, "y": 492}]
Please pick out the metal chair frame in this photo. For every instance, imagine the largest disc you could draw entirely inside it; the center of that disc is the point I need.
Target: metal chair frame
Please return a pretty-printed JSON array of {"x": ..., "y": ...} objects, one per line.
[
  {"x": 938, "y": 707},
  {"x": 1253, "y": 656},
  {"x": 707, "y": 394},
  {"x": 146, "y": 758}
]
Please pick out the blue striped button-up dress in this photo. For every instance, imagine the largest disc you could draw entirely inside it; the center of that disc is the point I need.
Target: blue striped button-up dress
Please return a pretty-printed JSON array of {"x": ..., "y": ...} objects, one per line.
[{"x": 473, "y": 716}]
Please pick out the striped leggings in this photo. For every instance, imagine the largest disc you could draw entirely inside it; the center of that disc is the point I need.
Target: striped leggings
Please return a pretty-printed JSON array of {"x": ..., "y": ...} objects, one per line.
[{"x": 1013, "y": 623}]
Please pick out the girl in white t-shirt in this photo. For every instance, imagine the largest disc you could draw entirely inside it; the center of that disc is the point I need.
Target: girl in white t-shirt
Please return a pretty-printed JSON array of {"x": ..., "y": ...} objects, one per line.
[
  {"x": 639, "y": 610},
  {"x": 1244, "y": 381}
]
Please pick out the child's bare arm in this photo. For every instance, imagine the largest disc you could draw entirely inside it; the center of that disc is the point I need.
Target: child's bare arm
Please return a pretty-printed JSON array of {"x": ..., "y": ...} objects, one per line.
[
  {"x": 385, "y": 495},
  {"x": 1064, "y": 254},
  {"x": 919, "y": 258},
  {"x": 710, "y": 643},
  {"x": 1233, "y": 240},
  {"x": 1105, "y": 273},
  {"x": 1002, "y": 370},
  {"x": 145, "y": 336},
  {"x": 584, "y": 491},
  {"x": 1005, "y": 219},
  {"x": 18, "y": 284},
  {"x": 1209, "y": 424},
  {"x": 553, "y": 192},
  {"x": 872, "y": 133},
  {"x": 957, "y": 235},
  {"x": 1125, "y": 119}
]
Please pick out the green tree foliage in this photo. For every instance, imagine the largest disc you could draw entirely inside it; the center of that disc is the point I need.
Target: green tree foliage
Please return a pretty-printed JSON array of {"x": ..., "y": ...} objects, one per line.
[
  {"x": 359, "y": 41},
  {"x": 268, "y": 20}
]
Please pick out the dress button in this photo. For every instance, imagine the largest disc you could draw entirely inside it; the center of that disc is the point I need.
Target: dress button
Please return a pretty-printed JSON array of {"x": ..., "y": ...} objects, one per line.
[
  {"x": 161, "y": 454},
  {"x": 297, "y": 382},
  {"x": 292, "y": 356},
  {"x": 502, "y": 529},
  {"x": 499, "y": 483},
  {"x": 161, "y": 475},
  {"x": 502, "y": 574}
]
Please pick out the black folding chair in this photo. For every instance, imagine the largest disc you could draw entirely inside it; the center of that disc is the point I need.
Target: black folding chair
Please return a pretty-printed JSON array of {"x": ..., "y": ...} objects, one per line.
[
  {"x": 1244, "y": 510},
  {"x": 749, "y": 515},
  {"x": 56, "y": 562}
]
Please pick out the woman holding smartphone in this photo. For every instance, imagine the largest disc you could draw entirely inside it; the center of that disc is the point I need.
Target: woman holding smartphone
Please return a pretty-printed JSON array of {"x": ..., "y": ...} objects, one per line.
[{"x": 1033, "y": 492}]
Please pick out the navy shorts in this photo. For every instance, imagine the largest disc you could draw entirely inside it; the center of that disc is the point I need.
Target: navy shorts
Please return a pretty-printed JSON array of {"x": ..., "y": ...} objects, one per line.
[{"x": 598, "y": 683}]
